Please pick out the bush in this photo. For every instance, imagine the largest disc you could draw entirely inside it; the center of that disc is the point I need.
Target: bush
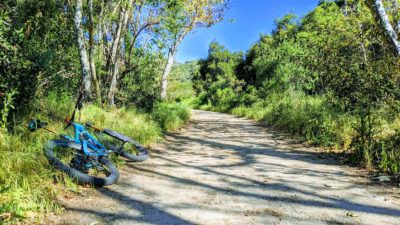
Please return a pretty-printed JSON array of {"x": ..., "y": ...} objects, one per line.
[
  {"x": 224, "y": 99},
  {"x": 309, "y": 117},
  {"x": 171, "y": 116},
  {"x": 322, "y": 87},
  {"x": 302, "y": 115},
  {"x": 5, "y": 108}
]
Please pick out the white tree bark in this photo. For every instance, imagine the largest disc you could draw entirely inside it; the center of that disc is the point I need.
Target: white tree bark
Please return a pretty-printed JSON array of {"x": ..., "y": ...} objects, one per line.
[
  {"x": 117, "y": 38},
  {"x": 397, "y": 10},
  {"x": 168, "y": 66},
  {"x": 95, "y": 80},
  {"x": 82, "y": 50},
  {"x": 113, "y": 85},
  {"x": 164, "y": 77},
  {"x": 345, "y": 8},
  {"x": 114, "y": 70},
  {"x": 384, "y": 20}
]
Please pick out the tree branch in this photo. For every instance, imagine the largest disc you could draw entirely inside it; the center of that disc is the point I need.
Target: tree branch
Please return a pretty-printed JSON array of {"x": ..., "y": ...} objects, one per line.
[{"x": 383, "y": 18}]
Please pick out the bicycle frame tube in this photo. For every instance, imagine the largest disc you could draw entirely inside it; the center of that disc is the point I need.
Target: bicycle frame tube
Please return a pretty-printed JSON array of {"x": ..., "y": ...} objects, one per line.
[{"x": 89, "y": 141}]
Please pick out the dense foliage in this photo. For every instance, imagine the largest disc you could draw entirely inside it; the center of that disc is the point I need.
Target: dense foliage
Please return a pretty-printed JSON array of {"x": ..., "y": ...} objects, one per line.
[
  {"x": 330, "y": 77},
  {"x": 116, "y": 53},
  {"x": 51, "y": 49}
]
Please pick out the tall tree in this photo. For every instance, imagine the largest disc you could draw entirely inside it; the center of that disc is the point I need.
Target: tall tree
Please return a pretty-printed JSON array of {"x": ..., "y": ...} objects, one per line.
[
  {"x": 383, "y": 18},
  {"x": 142, "y": 21},
  {"x": 183, "y": 17},
  {"x": 86, "y": 83},
  {"x": 95, "y": 80},
  {"x": 113, "y": 70}
]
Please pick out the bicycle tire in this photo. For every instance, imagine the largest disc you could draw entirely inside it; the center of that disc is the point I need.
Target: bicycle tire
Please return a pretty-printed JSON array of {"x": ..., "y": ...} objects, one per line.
[
  {"x": 76, "y": 175},
  {"x": 142, "y": 155}
]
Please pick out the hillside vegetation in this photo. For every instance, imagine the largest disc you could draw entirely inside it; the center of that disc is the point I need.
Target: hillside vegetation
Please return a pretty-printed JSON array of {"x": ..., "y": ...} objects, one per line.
[
  {"x": 330, "y": 77},
  {"x": 116, "y": 55}
]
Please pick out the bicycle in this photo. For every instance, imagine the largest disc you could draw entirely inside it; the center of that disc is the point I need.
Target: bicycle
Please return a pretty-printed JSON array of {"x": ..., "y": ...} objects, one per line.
[{"x": 84, "y": 158}]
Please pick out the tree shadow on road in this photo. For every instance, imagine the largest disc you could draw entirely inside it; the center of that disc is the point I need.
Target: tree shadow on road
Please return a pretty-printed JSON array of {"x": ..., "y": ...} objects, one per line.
[
  {"x": 248, "y": 154},
  {"x": 149, "y": 214},
  {"x": 328, "y": 202}
]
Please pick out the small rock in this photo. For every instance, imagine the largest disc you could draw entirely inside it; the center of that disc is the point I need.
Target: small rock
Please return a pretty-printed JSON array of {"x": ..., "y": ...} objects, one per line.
[
  {"x": 350, "y": 214},
  {"x": 383, "y": 179},
  {"x": 68, "y": 197}
]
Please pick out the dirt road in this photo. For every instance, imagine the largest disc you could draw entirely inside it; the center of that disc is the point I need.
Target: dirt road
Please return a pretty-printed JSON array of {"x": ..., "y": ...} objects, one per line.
[{"x": 227, "y": 170}]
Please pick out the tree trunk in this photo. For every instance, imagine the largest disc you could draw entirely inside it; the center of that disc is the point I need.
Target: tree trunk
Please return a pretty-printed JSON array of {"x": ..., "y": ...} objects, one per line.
[
  {"x": 95, "y": 80},
  {"x": 82, "y": 50},
  {"x": 396, "y": 11},
  {"x": 168, "y": 66},
  {"x": 113, "y": 85},
  {"x": 362, "y": 45},
  {"x": 164, "y": 77},
  {"x": 105, "y": 46},
  {"x": 113, "y": 69},
  {"x": 383, "y": 19}
]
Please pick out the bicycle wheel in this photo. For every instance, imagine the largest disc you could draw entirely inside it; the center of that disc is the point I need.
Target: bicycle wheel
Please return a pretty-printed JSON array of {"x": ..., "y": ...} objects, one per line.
[
  {"x": 130, "y": 149},
  {"x": 68, "y": 157},
  {"x": 134, "y": 152}
]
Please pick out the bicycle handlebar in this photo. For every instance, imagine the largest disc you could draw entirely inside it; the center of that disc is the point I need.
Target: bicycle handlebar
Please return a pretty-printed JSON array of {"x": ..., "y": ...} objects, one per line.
[{"x": 88, "y": 124}]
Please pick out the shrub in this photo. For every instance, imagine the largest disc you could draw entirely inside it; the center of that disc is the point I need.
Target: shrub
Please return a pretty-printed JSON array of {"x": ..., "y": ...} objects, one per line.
[
  {"x": 224, "y": 99},
  {"x": 309, "y": 117},
  {"x": 171, "y": 116},
  {"x": 5, "y": 109}
]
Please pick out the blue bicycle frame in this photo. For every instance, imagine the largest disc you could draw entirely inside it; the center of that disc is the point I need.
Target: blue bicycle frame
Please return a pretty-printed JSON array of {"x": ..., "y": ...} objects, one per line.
[{"x": 84, "y": 138}]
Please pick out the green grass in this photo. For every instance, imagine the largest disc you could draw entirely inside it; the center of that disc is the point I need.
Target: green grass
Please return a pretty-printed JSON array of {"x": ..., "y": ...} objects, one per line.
[
  {"x": 29, "y": 184},
  {"x": 308, "y": 117},
  {"x": 26, "y": 182},
  {"x": 305, "y": 116},
  {"x": 171, "y": 116}
]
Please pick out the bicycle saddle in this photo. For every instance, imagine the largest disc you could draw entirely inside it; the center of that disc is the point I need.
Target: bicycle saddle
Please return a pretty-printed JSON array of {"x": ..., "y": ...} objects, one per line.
[{"x": 118, "y": 136}]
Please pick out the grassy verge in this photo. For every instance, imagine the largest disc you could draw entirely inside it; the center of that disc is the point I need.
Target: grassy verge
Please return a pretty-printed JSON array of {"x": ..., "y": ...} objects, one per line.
[
  {"x": 305, "y": 116},
  {"x": 28, "y": 185},
  {"x": 171, "y": 116}
]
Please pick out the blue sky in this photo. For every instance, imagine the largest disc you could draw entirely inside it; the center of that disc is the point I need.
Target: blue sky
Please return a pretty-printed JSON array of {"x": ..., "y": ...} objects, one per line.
[{"x": 252, "y": 17}]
